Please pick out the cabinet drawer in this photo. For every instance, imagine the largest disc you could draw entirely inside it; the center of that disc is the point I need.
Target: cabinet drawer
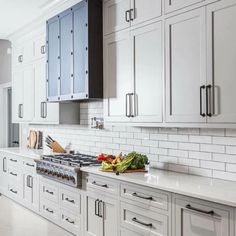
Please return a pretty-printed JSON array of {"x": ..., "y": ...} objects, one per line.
[
  {"x": 198, "y": 217},
  {"x": 13, "y": 160},
  {"x": 70, "y": 222},
  {"x": 143, "y": 221},
  {"x": 50, "y": 211},
  {"x": 70, "y": 200},
  {"x": 14, "y": 191},
  {"x": 153, "y": 198},
  {"x": 103, "y": 184},
  {"x": 49, "y": 192},
  {"x": 29, "y": 165},
  {"x": 14, "y": 174}
]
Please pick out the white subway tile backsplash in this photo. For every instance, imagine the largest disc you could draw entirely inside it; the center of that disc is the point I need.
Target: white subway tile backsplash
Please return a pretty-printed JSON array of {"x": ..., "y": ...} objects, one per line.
[
  {"x": 212, "y": 165},
  {"x": 204, "y": 152},
  {"x": 189, "y": 146},
  {"x": 163, "y": 144},
  {"x": 212, "y": 148},
  {"x": 200, "y": 139}
]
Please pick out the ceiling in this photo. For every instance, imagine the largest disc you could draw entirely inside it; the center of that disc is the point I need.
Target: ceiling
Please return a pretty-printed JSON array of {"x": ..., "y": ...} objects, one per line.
[{"x": 14, "y": 14}]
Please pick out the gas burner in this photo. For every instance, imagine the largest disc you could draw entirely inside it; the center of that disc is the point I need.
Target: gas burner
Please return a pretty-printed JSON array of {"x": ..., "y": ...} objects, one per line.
[{"x": 65, "y": 168}]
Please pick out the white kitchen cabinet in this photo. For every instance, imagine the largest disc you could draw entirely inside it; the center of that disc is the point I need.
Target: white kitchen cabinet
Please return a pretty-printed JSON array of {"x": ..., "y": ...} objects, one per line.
[
  {"x": 31, "y": 191},
  {"x": 172, "y": 5},
  {"x": 126, "y": 232},
  {"x": 186, "y": 67},
  {"x": 118, "y": 75},
  {"x": 194, "y": 217},
  {"x": 122, "y": 14},
  {"x": 221, "y": 37},
  {"x": 142, "y": 11},
  {"x": 39, "y": 50},
  {"x": 116, "y": 13},
  {"x": 148, "y": 73},
  {"x": 3, "y": 173},
  {"x": 44, "y": 112},
  {"x": 23, "y": 94},
  {"x": 101, "y": 215},
  {"x": 134, "y": 75}
]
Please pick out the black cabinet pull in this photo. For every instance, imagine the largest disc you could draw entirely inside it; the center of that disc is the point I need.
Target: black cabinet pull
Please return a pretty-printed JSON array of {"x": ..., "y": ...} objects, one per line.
[
  {"x": 142, "y": 223},
  {"x": 3, "y": 164},
  {"x": 70, "y": 221},
  {"x": 69, "y": 200},
  {"x": 208, "y": 100},
  {"x": 20, "y": 58},
  {"x": 13, "y": 174},
  {"x": 13, "y": 160},
  {"x": 100, "y": 185},
  {"x": 132, "y": 14},
  {"x": 50, "y": 211},
  {"x": 142, "y": 197},
  {"x": 96, "y": 207},
  {"x": 100, "y": 209},
  {"x": 199, "y": 210},
  {"x": 13, "y": 191},
  {"x": 127, "y": 16},
  {"x": 30, "y": 165},
  {"x": 201, "y": 112},
  {"x": 47, "y": 191}
]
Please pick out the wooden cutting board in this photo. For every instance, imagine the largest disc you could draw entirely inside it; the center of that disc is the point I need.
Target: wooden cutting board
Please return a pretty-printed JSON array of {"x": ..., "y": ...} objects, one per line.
[{"x": 127, "y": 171}]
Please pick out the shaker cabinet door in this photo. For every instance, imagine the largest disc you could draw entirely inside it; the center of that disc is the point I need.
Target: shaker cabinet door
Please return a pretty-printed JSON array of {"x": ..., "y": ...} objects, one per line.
[
  {"x": 118, "y": 73},
  {"x": 116, "y": 15},
  {"x": 185, "y": 67},
  {"x": 53, "y": 47},
  {"x": 80, "y": 79},
  {"x": 221, "y": 38},
  {"x": 142, "y": 11},
  {"x": 172, "y": 5},
  {"x": 148, "y": 73}
]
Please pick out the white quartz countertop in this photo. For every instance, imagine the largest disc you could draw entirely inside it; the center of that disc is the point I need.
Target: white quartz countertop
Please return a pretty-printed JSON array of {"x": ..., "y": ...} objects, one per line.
[
  {"x": 29, "y": 153},
  {"x": 214, "y": 190}
]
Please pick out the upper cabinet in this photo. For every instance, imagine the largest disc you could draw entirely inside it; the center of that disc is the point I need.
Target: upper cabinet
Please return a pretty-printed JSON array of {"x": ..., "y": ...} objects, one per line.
[
  {"x": 221, "y": 57},
  {"x": 134, "y": 75},
  {"x": 122, "y": 14},
  {"x": 75, "y": 55},
  {"x": 172, "y": 5},
  {"x": 185, "y": 67}
]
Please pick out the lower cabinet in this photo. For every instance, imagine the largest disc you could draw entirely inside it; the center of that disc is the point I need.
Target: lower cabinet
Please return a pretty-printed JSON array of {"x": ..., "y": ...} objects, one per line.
[
  {"x": 192, "y": 217},
  {"x": 61, "y": 204},
  {"x": 31, "y": 191},
  {"x": 101, "y": 215}
]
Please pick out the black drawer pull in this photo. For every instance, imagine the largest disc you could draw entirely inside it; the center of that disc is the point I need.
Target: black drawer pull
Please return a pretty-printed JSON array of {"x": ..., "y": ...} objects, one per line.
[
  {"x": 13, "y": 191},
  {"x": 199, "y": 210},
  {"x": 100, "y": 185},
  {"x": 142, "y": 223},
  {"x": 69, "y": 200},
  {"x": 50, "y": 211},
  {"x": 47, "y": 191},
  {"x": 70, "y": 221},
  {"x": 13, "y": 174},
  {"x": 30, "y": 165},
  {"x": 142, "y": 197},
  {"x": 13, "y": 160}
]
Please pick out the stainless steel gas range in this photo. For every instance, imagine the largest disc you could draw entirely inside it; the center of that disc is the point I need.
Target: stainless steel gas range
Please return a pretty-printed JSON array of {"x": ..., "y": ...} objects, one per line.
[{"x": 65, "y": 168}]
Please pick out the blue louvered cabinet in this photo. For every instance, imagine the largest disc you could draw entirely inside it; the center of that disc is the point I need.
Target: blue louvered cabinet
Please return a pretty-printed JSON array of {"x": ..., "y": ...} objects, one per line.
[{"x": 75, "y": 53}]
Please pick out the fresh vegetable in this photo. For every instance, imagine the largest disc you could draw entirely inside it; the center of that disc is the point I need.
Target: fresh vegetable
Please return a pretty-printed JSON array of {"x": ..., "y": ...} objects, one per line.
[
  {"x": 139, "y": 161},
  {"x": 120, "y": 163}
]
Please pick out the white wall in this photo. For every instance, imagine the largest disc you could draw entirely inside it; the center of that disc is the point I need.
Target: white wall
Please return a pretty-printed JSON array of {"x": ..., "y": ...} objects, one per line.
[{"x": 5, "y": 61}]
